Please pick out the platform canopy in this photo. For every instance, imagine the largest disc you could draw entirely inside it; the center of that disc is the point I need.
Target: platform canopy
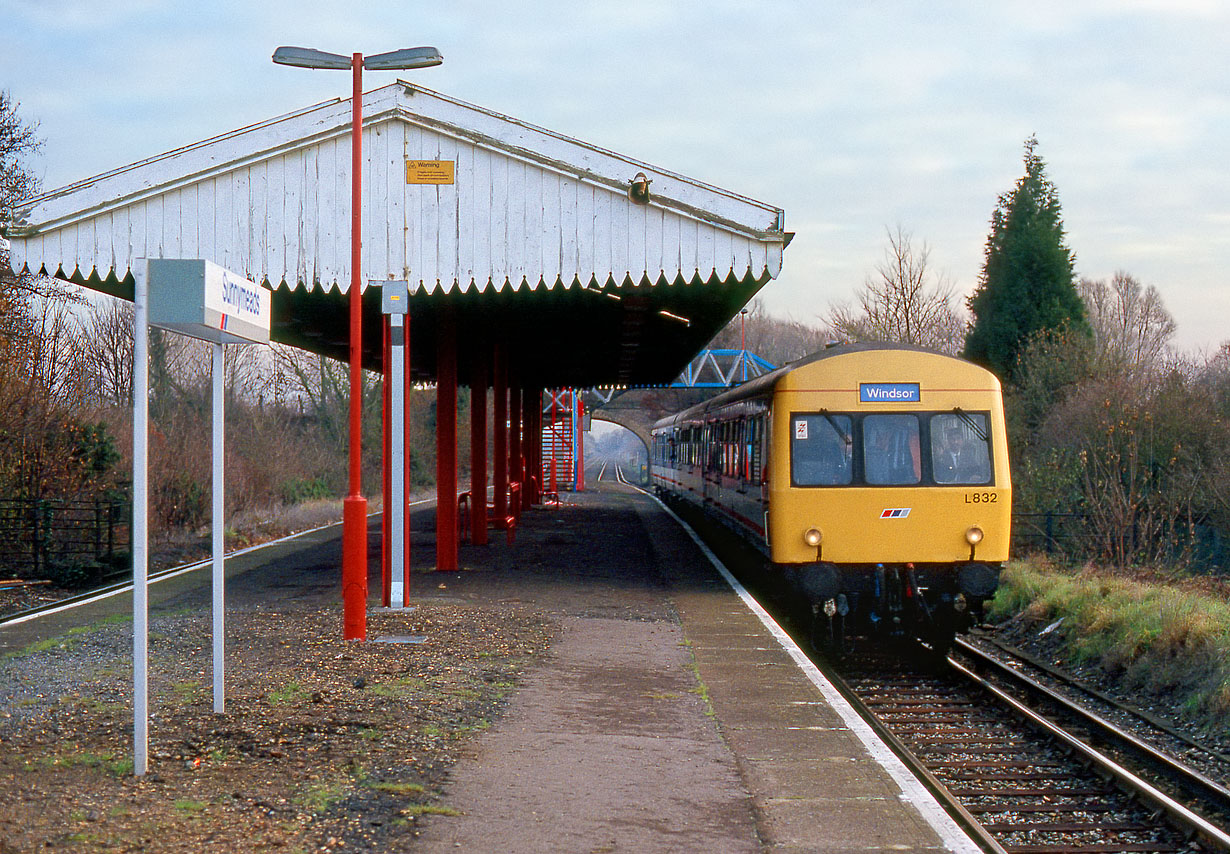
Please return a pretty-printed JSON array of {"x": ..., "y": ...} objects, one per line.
[{"x": 537, "y": 242}]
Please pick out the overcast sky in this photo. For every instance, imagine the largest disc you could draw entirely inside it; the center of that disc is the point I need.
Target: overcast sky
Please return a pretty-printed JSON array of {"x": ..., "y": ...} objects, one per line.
[{"x": 853, "y": 117}]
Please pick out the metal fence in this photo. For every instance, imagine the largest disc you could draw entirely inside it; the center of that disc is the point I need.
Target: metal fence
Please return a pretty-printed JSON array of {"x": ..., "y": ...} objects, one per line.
[
  {"x": 1203, "y": 548},
  {"x": 38, "y": 535}
]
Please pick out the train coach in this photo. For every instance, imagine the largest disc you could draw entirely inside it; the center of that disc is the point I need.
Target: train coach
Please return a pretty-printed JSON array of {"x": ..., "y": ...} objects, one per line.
[{"x": 873, "y": 477}]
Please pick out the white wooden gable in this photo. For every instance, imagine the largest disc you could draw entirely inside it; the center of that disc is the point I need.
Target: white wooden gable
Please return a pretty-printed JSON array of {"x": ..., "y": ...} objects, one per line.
[{"x": 528, "y": 208}]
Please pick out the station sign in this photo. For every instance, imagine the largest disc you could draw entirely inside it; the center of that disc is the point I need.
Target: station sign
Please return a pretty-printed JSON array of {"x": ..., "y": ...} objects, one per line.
[
  {"x": 889, "y": 393},
  {"x": 198, "y": 298}
]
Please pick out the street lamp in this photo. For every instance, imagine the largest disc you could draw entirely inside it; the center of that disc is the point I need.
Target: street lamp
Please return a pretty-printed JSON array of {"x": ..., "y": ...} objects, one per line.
[{"x": 354, "y": 512}]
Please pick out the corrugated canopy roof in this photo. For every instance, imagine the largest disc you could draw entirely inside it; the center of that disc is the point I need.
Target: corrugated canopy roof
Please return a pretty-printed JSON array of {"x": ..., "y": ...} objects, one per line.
[{"x": 536, "y": 242}]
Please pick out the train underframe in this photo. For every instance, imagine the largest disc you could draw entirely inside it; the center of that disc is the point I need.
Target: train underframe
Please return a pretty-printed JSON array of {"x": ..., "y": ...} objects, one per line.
[{"x": 926, "y": 601}]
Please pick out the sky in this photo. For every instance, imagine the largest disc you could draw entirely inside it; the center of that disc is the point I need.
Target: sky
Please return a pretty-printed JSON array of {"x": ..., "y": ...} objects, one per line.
[{"x": 856, "y": 118}]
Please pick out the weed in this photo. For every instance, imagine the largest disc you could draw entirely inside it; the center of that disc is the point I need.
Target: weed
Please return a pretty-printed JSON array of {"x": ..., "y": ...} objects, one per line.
[
  {"x": 397, "y": 788},
  {"x": 187, "y": 805},
  {"x": 318, "y": 797},
  {"x": 415, "y": 810},
  {"x": 290, "y": 693},
  {"x": 397, "y": 688},
  {"x": 186, "y": 692}
]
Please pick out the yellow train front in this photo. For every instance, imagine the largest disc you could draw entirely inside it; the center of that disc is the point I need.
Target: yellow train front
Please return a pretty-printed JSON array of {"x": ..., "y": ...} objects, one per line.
[{"x": 875, "y": 477}]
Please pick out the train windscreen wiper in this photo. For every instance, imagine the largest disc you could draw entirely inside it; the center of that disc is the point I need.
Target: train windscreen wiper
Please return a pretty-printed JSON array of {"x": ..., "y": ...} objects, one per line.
[
  {"x": 970, "y": 422},
  {"x": 839, "y": 430}
]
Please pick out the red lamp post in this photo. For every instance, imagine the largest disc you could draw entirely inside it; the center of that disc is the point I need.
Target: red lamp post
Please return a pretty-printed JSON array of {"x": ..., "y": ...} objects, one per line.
[{"x": 354, "y": 509}]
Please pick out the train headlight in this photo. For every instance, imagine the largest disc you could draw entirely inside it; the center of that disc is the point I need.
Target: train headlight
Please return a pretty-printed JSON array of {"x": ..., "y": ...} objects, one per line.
[
  {"x": 974, "y": 535},
  {"x": 812, "y": 537}
]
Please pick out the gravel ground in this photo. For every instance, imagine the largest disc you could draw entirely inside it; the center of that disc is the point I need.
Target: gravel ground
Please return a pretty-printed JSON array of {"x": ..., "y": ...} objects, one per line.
[{"x": 326, "y": 745}]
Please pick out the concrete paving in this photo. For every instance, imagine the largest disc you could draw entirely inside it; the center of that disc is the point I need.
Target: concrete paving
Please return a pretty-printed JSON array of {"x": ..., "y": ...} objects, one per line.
[{"x": 668, "y": 718}]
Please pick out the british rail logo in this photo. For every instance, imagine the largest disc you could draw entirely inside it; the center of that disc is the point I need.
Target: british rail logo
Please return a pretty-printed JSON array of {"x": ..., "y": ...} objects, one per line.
[{"x": 895, "y": 512}]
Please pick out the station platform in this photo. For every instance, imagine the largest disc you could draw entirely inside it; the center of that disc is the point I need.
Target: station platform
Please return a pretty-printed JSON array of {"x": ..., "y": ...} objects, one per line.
[{"x": 669, "y": 715}]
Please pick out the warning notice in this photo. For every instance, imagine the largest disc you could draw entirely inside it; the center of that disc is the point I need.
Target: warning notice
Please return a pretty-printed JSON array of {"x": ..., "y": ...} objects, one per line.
[{"x": 429, "y": 171}]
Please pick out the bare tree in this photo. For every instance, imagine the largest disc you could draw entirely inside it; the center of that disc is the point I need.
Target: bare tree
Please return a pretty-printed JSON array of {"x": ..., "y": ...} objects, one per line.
[
  {"x": 1131, "y": 326},
  {"x": 903, "y": 301},
  {"x": 774, "y": 339}
]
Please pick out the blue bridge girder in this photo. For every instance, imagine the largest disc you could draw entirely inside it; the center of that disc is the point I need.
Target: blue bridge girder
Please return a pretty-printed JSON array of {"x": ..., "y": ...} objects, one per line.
[{"x": 714, "y": 369}]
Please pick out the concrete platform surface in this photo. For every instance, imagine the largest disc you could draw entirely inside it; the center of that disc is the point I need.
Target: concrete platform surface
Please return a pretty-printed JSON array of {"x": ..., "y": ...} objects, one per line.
[{"x": 669, "y": 717}]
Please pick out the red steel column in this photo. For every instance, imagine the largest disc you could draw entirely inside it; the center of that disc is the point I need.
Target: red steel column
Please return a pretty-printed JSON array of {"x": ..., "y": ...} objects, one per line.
[
  {"x": 354, "y": 507},
  {"x": 478, "y": 450},
  {"x": 536, "y": 446},
  {"x": 499, "y": 423},
  {"x": 515, "y": 473},
  {"x": 580, "y": 444},
  {"x": 527, "y": 452},
  {"x": 446, "y": 446},
  {"x": 386, "y": 474},
  {"x": 554, "y": 439}
]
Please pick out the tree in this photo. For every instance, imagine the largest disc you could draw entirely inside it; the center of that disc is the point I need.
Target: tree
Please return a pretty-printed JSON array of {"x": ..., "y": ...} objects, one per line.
[
  {"x": 1027, "y": 285},
  {"x": 902, "y": 302},
  {"x": 17, "y": 139},
  {"x": 1131, "y": 326}
]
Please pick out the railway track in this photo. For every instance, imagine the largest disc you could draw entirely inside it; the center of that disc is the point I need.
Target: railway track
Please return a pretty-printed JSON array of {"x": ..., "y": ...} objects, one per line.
[{"x": 1035, "y": 784}]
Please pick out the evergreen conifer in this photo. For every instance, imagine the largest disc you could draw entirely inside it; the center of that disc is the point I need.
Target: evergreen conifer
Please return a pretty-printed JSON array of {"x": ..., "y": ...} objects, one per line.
[{"x": 1027, "y": 287}]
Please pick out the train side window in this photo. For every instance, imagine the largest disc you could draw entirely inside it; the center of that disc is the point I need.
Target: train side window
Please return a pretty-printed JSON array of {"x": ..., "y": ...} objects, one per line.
[
  {"x": 820, "y": 450},
  {"x": 891, "y": 449},
  {"x": 959, "y": 448}
]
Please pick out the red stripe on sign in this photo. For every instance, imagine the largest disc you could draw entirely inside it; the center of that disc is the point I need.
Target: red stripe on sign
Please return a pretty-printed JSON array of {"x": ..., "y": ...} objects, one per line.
[{"x": 887, "y": 514}]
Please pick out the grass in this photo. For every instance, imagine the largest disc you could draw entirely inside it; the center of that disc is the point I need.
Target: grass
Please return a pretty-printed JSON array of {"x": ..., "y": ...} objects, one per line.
[
  {"x": 398, "y": 788},
  {"x": 701, "y": 690},
  {"x": 69, "y": 639},
  {"x": 85, "y": 759},
  {"x": 291, "y": 692},
  {"x": 1156, "y": 638},
  {"x": 416, "y": 810},
  {"x": 191, "y": 806},
  {"x": 318, "y": 797},
  {"x": 397, "y": 688}
]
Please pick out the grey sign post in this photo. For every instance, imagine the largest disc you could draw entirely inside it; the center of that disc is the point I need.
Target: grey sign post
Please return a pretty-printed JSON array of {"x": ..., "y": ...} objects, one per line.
[
  {"x": 197, "y": 298},
  {"x": 395, "y": 302}
]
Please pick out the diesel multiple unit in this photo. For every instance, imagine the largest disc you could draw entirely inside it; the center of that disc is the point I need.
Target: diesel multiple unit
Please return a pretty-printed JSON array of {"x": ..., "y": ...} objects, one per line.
[{"x": 874, "y": 477}]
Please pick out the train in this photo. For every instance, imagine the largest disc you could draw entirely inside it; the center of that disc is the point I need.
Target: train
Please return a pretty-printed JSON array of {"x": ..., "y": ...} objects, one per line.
[{"x": 873, "y": 477}]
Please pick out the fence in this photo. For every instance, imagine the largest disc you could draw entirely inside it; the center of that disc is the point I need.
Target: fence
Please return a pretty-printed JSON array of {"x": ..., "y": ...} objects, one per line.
[
  {"x": 1203, "y": 547},
  {"x": 38, "y": 535}
]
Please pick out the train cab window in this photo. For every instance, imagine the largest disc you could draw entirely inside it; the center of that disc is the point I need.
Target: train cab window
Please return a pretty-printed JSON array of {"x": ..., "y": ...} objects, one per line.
[
  {"x": 959, "y": 448},
  {"x": 821, "y": 450},
  {"x": 891, "y": 449}
]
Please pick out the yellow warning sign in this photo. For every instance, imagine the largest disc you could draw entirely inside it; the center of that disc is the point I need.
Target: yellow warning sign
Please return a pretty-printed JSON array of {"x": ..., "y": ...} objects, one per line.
[{"x": 429, "y": 171}]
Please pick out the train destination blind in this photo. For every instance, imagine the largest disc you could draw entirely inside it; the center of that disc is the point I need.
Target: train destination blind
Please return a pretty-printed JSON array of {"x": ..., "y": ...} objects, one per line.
[{"x": 889, "y": 393}]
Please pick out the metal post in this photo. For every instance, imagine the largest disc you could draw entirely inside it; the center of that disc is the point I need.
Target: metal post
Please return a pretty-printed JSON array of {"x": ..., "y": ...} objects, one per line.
[
  {"x": 406, "y": 388},
  {"x": 478, "y": 452},
  {"x": 396, "y": 500},
  {"x": 554, "y": 440},
  {"x": 515, "y": 473},
  {"x": 386, "y": 481},
  {"x": 523, "y": 454},
  {"x": 499, "y": 423},
  {"x": 219, "y": 530},
  {"x": 446, "y": 446},
  {"x": 140, "y": 519},
  {"x": 580, "y": 443},
  {"x": 354, "y": 508}
]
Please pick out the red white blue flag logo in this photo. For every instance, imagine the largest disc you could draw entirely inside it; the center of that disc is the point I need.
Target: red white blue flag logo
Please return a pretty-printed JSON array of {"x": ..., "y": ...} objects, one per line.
[{"x": 895, "y": 513}]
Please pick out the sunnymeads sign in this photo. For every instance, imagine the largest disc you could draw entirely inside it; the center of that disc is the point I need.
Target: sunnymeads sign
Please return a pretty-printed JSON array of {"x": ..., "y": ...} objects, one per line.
[{"x": 198, "y": 298}]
